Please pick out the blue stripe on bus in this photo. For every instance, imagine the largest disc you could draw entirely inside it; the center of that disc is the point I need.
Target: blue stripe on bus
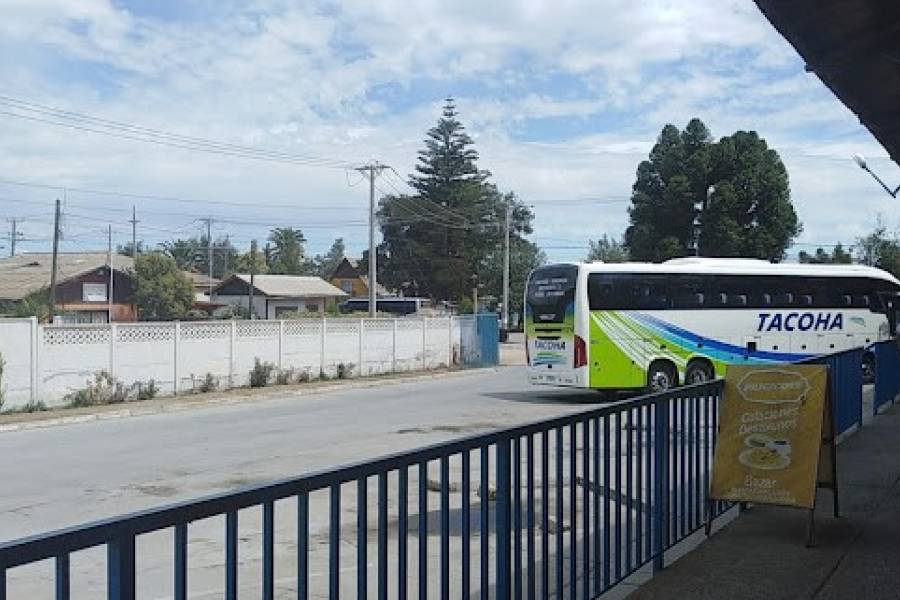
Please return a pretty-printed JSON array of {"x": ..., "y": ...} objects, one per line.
[{"x": 714, "y": 348}]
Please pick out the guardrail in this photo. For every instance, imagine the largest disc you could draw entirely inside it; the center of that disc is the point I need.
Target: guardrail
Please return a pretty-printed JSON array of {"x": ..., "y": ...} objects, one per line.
[
  {"x": 845, "y": 387},
  {"x": 887, "y": 374},
  {"x": 565, "y": 507}
]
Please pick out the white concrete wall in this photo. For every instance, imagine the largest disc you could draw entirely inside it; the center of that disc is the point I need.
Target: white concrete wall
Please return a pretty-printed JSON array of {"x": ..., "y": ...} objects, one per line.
[{"x": 46, "y": 362}]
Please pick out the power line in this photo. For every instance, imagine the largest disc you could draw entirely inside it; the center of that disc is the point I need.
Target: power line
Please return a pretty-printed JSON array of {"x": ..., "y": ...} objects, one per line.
[{"x": 83, "y": 122}]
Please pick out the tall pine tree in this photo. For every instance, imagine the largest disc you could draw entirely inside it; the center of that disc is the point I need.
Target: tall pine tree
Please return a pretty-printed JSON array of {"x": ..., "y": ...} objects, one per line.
[{"x": 436, "y": 241}]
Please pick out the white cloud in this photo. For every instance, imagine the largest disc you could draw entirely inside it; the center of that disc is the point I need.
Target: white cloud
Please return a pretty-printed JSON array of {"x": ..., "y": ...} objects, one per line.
[{"x": 305, "y": 78}]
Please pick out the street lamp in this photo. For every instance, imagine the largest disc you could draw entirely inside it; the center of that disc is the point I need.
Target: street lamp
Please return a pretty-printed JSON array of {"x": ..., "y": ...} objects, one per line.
[
  {"x": 861, "y": 161},
  {"x": 699, "y": 207}
]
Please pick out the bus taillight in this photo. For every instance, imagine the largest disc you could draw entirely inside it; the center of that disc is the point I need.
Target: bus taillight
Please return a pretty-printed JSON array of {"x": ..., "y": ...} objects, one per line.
[{"x": 580, "y": 352}]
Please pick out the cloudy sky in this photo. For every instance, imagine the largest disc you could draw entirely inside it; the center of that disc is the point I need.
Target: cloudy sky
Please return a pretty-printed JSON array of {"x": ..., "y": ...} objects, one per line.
[{"x": 563, "y": 98}]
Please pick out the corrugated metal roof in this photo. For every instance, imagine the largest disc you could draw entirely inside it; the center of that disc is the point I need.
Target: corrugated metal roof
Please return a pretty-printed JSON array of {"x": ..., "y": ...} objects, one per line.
[
  {"x": 27, "y": 273},
  {"x": 290, "y": 286}
]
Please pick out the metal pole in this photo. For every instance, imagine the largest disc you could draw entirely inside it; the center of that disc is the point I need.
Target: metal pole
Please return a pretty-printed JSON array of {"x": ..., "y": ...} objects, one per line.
[
  {"x": 134, "y": 223},
  {"x": 373, "y": 259},
  {"x": 109, "y": 264},
  {"x": 252, "y": 275},
  {"x": 505, "y": 312},
  {"x": 209, "y": 255},
  {"x": 54, "y": 261},
  {"x": 12, "y": 239}
]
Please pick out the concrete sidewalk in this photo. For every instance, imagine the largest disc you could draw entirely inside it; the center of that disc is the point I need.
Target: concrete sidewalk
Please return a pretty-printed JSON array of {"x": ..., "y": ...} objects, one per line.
[{"x": 762, "y": 554}]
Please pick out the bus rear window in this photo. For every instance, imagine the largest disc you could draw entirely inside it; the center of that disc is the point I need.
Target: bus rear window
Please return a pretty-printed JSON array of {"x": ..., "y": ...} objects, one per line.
[{"x": 550, "y": 290}]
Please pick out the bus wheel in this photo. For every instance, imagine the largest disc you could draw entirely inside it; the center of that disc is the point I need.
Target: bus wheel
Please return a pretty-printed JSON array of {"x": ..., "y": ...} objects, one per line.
[
  {"x": 661, "y": 377},
  {"x": 699, "y": 371}
]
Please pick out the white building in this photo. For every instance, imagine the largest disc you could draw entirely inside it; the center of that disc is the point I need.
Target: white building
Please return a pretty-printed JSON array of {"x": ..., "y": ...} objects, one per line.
[{"x": 275, "y": 295}]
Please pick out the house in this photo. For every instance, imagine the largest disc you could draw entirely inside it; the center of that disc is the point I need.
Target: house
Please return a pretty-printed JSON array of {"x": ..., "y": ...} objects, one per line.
[
  {"x": 350, "y": 279},
  {"x": 203, "y": 284},
  {"x": 276, "y": 295},
  {"x": 82, "y": 288}
]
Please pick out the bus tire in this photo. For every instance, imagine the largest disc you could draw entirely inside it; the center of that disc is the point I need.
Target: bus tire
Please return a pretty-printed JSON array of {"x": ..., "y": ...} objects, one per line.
[
  {"x": 662, "y": 376},
  {"x": 699, "y": 370}
]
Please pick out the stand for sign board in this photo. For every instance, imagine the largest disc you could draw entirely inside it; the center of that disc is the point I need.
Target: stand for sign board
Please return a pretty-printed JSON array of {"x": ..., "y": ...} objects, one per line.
[{"x": 826, "y": 472}]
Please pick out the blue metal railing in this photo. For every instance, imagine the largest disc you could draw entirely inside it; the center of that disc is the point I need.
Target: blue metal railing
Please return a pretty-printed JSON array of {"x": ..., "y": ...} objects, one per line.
[
  {"x": 567, "y": 507},
  {"x": 887, "y": 373},
  {"x": 845, "y": 378}
]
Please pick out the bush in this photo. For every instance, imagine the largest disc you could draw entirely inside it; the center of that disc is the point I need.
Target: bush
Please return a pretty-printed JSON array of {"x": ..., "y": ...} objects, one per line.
[
  {"x": 209, "y": 383},
  {"x": 147, "y": 391},
  {"x": 106, "y": 389},
  {"x": 344, "y": 370},
  {"x": 30, "y": 407},
  {"x": 261, "y": 373}
]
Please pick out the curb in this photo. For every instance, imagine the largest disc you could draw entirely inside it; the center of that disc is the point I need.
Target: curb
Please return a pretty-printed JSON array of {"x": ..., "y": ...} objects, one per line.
[{"x": 277, "y": 393}]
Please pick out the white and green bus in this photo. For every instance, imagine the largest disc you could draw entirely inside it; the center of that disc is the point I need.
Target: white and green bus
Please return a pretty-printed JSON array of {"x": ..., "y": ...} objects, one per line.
[{"x": 655, "y": 326}]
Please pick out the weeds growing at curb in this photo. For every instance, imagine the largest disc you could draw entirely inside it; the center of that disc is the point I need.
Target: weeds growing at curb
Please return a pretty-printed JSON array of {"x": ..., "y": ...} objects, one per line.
[
  {"x": 261, "y": 373},
  {"x": 106, "y": 389}
]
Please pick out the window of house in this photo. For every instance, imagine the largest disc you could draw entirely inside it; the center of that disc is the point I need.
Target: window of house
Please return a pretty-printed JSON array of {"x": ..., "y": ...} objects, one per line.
[
  {"x": 93, "y": 292},
  {"x": 283, "y": 310},
  {"x": 347, "y": 286}
]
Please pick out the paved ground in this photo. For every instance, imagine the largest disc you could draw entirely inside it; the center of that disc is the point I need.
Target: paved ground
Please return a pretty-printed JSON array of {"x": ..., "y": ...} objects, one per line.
[
  {"x": 59, "y": 476},
  {"x": 762, "y": 553}
]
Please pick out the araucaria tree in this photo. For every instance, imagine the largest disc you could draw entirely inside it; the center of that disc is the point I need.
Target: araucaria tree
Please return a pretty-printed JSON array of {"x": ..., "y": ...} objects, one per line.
[
  {"x": 739, "y": 181},
  {"x": 439, "y": 241}
]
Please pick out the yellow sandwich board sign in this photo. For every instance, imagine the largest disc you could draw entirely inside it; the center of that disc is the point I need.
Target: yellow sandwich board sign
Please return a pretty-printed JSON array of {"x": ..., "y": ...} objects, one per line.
[{"x": 770, "y": 435}]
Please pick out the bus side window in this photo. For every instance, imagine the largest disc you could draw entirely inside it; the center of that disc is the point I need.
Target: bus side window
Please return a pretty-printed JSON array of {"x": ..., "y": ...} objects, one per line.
[
  {"x": 784, "y": 300},
  {"x": 765, "y": 300},
  {"x": 805, "y": 300},
  {"x": 861, "y": 301},
  {"x": 737, "y": 300}
]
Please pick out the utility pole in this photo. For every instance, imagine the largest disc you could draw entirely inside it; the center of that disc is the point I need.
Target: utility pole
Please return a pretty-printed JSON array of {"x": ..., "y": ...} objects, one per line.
[
  {"x": 209, "y": 254},
  {"x": 13, "y": 236},
  {"x": 54, "y": 260},
  {"x": 252, "y": 273},
  {"x": 109, "y": 265},
  {"x": 372, "y": 169},
  {"x": 505, "y": 312},
  {"x": 134, "y": 223}
]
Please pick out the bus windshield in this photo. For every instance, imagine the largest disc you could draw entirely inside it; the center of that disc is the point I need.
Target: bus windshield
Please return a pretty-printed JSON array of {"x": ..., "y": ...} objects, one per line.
[{"x": 550, "y": 292}]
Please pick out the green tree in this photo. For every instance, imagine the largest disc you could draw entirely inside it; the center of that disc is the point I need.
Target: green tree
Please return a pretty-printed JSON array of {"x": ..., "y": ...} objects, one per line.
[
  {"x": 838, "y": 256},
  {"x": 163, "y": 292},
  {"x": 325, "y": 264},
  {"x": 436, "y": 239},
  {"x": 608, "y": 250},
  {"x": 524, "y": 257},
  {"x": 748, "y": 214},
  {"x": 35, "y": 304},
  {"x": 880, "y": 248},
  {"x": 247, "y": 262},
  {"x": 192, "y": 254},
  {"x": 127, "y": 250},
  {"x": 185, "y": 252},
  {"x": 287, "y": 253}
]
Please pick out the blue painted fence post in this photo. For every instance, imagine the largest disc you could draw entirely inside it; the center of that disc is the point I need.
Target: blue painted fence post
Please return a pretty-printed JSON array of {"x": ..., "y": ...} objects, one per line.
[
  {"x": 120, "y": 569},
  {"x": 504, "y": 536},
  {"x": 660, "y": 482}
]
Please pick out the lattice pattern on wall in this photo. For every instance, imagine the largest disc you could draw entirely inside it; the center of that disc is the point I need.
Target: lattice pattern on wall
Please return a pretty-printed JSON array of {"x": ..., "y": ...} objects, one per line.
[
  {"x": 205, "y": 331},
  {"x": 257, "y": 329},
  {"x": 145, "y": 333},
  {"x": 56, "y": 335},
  {"x": 409, "y": 324},
  {"x": 303, "y": 327},
  {"x": 338, "y": 326},
  {"x": 378, "y": 325}
]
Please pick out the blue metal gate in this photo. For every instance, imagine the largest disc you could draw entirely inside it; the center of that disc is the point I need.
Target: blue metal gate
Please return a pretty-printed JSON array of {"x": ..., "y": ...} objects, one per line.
[{"x": 479, "y": 341}]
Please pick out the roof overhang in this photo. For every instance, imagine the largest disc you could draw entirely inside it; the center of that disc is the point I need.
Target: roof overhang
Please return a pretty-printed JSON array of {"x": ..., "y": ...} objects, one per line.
[{"x": 854, "y": 48}]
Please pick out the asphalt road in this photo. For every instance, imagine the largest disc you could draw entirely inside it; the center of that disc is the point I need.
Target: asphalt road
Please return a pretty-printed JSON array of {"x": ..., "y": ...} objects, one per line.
[{"x": 65, "y": 475}]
